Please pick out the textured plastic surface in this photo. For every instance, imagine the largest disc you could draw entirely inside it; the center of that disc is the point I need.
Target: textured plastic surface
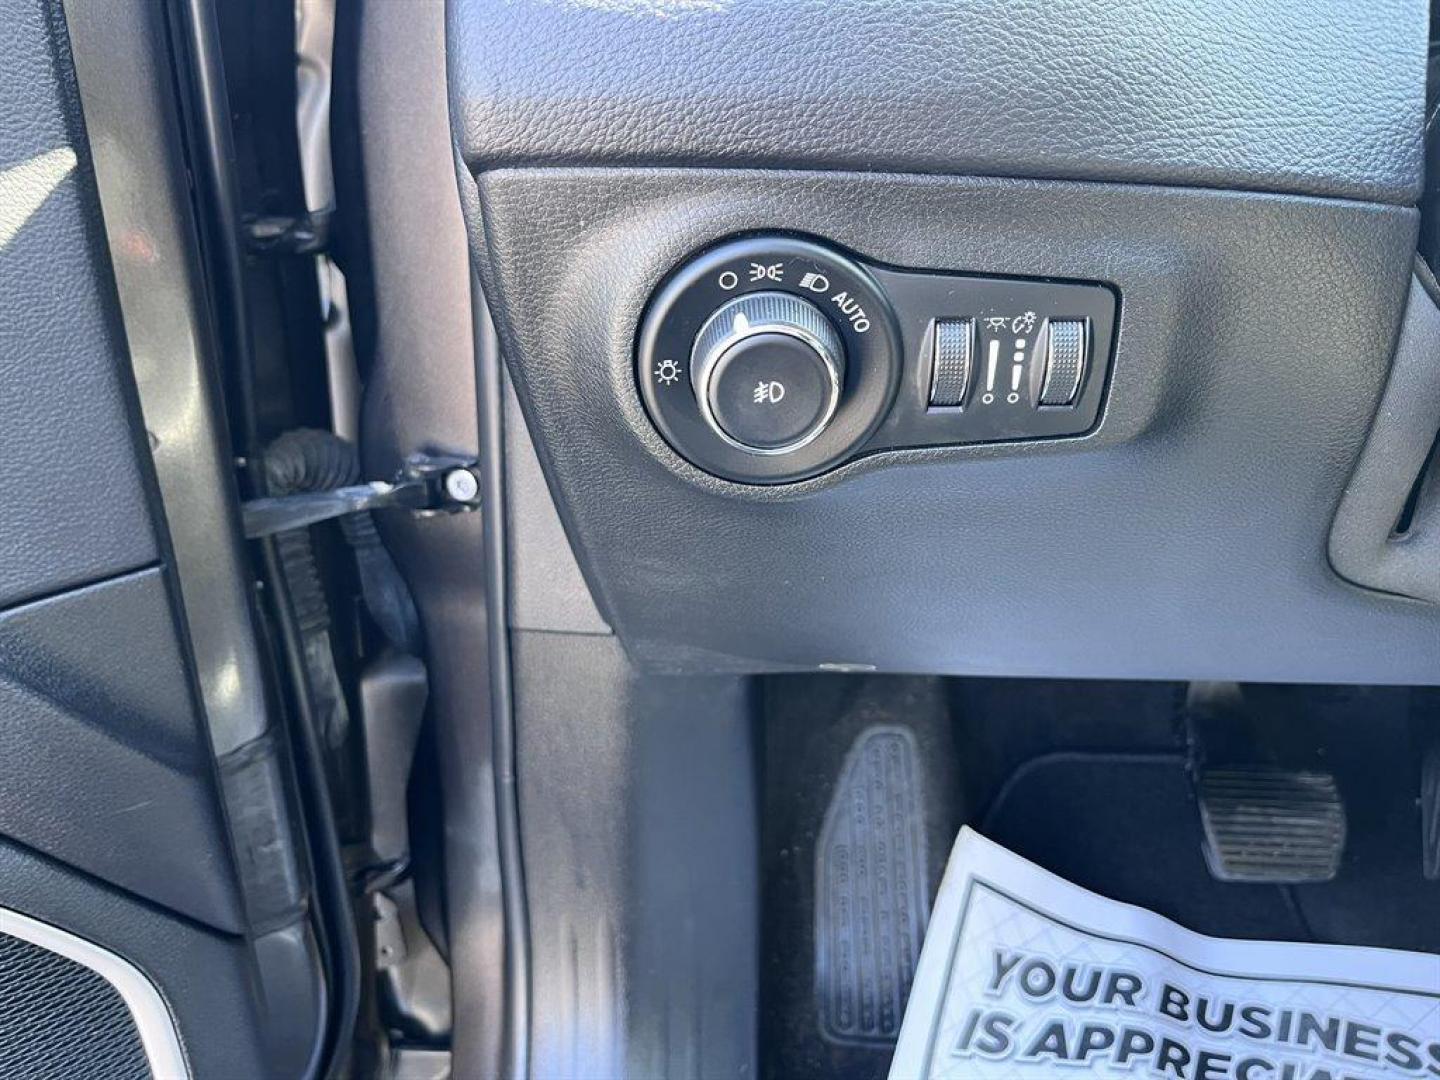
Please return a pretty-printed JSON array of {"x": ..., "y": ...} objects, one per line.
[
  {"x": 1184, "y": 537},
  {"x": 637, "y": 795},
  {"x": 70, "y": 482},
  {"x": 872, "y": 889},
  {"x": 102, "y": 761},
  {"x": 1364, "y": 546},
  {"x": 1266, "y": 825},
  {"x": 62, "y": 1019},
  {"x": 547, "y": 590},
  {"x": 1317, "y": 96}
]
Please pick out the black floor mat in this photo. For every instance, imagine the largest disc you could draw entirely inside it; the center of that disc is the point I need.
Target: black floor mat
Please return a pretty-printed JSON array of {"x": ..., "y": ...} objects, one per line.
[
  {"x": 1126, "y": 826},
  {"x": 1131, "y": 832},
  {"x": 1093, "y": 782}
]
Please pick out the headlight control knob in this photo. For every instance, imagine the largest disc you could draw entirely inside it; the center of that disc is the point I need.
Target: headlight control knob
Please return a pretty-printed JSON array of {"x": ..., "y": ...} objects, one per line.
[
  {"x": 768, "y": 359},
  {"x": 767, "y": 369}
]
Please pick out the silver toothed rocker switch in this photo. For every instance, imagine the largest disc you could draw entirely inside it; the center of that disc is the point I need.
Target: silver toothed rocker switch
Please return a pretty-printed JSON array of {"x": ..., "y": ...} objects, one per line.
[
  {"x": 1065, "y": 354},
  {"x": 952, "y": 352}
]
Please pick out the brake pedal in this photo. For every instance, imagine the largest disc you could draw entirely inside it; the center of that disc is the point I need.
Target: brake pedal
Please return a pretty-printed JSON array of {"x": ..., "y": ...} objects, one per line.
[
  {"x": 872, "y": 898},
  {"x": 1271, "y": 826}
]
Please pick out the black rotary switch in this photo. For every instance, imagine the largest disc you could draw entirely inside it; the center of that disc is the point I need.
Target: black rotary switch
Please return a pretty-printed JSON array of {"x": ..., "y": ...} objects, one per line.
[
  {"x": 767, "y": 369},
  {"x": 768, "y": 359}
]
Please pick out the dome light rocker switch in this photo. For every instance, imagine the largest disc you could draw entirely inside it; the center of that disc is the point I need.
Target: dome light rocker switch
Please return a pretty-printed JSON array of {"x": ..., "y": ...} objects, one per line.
[{"x": 1066, "y": 348}]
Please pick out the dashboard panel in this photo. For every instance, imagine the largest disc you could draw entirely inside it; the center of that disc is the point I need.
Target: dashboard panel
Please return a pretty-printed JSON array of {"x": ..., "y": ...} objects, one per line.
[{"x": 1260, "y": 247}]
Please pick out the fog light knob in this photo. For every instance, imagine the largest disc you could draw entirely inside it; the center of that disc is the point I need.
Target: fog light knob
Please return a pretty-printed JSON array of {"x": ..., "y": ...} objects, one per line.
[{"x": 768, "y": 369}]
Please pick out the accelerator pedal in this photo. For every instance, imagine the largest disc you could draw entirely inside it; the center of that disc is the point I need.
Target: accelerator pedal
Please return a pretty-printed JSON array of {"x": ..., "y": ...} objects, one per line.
[
  {"x": 1271, "y": 826},
  {"x": 872, "y": 896}
]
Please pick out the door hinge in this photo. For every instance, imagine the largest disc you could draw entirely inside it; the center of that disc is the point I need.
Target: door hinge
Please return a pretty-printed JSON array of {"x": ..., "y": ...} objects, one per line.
[
  {"x": 426, "y": 486},
  {"x": 292, "y": 234}
]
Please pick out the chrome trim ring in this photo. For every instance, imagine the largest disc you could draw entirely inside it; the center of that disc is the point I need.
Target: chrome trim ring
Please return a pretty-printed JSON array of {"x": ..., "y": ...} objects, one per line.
[
  {"x": 147, "y": 1008},
  {"x": 765, "y": 313}
]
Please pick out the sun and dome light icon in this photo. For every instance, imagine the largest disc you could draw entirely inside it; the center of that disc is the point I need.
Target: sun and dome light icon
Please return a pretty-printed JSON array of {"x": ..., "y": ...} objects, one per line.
[{"x": 667, "y": 371}]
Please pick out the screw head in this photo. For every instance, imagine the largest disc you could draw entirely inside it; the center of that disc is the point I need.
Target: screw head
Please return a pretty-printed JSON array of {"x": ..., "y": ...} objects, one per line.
[{"x": 462, "y": 485}]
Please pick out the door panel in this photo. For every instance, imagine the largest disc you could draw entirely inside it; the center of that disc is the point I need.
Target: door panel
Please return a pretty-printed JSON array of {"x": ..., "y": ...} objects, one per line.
[
  {"x": 64, "y": 413},
  {"x": 115, "y": 826},
  {"x": 103, "y": 762}
]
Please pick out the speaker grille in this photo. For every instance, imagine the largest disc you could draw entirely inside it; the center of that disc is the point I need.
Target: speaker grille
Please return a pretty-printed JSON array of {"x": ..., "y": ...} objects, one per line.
[{"x": 60, "y": 1019}]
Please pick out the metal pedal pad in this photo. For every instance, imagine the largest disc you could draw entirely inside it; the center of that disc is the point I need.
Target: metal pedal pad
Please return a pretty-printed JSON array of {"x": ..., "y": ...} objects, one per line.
[
  {"x": 871, "y": 890},
  {"x": 1271, "y": 826}
]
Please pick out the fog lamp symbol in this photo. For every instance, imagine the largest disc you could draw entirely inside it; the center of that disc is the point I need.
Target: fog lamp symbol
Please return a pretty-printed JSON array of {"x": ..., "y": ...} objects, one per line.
[{"x": 769, "y": 392}]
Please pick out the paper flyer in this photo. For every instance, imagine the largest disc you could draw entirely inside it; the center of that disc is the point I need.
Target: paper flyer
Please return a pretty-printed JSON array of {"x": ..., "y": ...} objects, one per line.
[{"x": 1024, "y": 975}]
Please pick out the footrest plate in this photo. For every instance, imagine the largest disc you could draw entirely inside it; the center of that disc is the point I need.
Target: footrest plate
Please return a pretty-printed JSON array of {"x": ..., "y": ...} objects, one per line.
[{"x": 871, "y": 892}]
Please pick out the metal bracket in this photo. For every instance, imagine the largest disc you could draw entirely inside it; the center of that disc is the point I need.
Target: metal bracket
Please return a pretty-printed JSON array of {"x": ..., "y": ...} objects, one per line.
[
  {"x": 279, "y": 234},
  {"x": 426, "y": 486}
]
